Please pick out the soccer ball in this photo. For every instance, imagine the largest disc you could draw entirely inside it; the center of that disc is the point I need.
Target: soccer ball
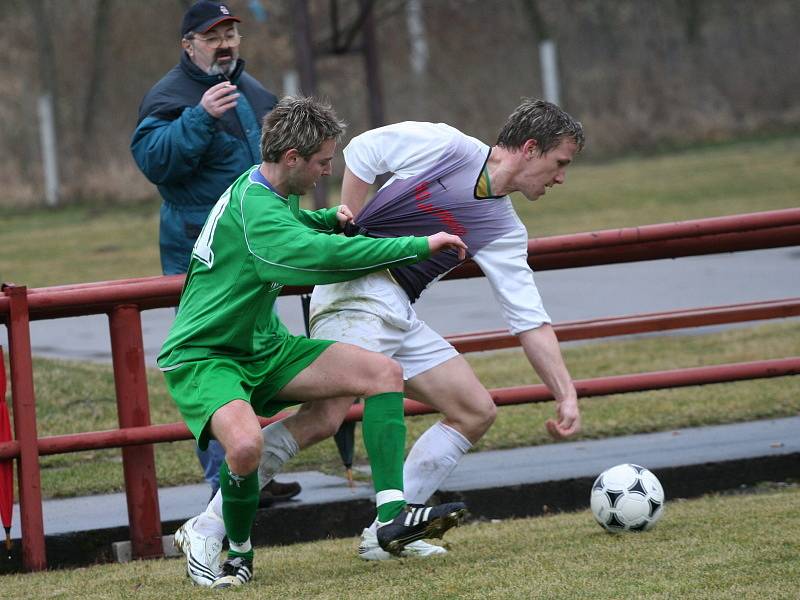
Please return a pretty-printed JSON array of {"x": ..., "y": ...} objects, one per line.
[{"x": 627, "y": 498}]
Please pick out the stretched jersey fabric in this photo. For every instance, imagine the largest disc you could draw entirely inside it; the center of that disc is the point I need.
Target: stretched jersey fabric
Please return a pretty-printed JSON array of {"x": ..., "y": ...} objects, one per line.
[
  {"x": 439, "y": 199},
  {"x": 436, "y": 169},
  {"x": 253, "y": 243}
]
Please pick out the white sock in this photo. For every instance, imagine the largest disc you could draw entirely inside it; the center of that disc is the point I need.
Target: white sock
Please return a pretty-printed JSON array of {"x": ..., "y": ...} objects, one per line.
[
  {"x": 242, "y": 548},
  {"x": 209, "y": 522},
  {"x": 279, "y": 447},
  {"x": 431, "y": 460}
]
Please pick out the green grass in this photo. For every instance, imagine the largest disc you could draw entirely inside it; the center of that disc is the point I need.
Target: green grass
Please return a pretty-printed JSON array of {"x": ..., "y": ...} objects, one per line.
[
  {"x": 96, "y": 242},
  {"x": 73, "y": 397},
  {"x": 78, "y": 244},
  {"x": 738, "y": 547},
  {"x": 696, "y": 183},
  {"x": 100, "y": 242}
]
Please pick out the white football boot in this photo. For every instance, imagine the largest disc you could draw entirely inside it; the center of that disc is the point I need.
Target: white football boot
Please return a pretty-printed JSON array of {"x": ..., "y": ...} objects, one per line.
[
  {"x": 369, "y": 549},
  {"x": 202, "y": 553}
]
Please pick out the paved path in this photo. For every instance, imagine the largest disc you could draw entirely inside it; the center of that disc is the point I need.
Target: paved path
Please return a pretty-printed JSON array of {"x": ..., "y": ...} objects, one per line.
[
  {"x": 468, "y": 305},
  {"x": 478, "y": 470}
]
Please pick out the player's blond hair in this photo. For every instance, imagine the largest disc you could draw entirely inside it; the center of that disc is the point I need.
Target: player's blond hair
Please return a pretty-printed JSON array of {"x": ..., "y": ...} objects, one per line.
[
  {"x": 541, "y": 121},
  {"x": 298, "y": 122}
]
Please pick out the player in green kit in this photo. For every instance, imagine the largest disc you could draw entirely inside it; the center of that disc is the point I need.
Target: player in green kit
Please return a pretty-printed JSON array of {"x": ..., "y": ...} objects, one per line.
[{"x": 228, "y": 358}]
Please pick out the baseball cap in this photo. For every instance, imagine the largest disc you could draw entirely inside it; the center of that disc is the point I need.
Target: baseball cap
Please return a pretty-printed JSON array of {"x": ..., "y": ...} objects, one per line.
[{"x": 204, "y": 15}]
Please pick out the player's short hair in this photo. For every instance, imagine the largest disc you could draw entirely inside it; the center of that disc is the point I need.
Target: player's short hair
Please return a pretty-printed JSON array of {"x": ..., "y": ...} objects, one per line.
[
  {"x": 302, "y": 123},
  {"x": 541, "y": 121}
]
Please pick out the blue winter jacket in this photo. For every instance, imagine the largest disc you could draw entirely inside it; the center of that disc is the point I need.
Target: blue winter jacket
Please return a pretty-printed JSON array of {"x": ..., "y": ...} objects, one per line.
[{"x": 191, "y": 156}]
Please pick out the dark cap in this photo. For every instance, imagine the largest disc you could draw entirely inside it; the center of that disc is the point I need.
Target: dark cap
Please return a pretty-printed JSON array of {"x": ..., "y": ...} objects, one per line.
[{"x": 205, "y": 15}]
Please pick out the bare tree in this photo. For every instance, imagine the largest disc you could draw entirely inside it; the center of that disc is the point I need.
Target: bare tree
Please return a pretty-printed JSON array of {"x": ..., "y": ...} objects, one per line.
[
  {"x": 693, "y": 13},
  {"x": 98, "y": 70}
]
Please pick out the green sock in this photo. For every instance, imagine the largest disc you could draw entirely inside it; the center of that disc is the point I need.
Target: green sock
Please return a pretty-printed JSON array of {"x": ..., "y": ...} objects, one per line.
[
  {"x": 239, "y": 504},
  {"x": 384, "y": 431}
]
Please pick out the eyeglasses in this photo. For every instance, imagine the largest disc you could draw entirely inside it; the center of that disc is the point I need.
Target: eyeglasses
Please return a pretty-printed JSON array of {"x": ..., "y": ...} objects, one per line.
[{"x": 233, "y": 38}]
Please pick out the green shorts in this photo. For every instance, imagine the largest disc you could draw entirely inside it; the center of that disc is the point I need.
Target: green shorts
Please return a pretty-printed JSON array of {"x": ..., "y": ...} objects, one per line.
[{"x": 201, "y": 387}]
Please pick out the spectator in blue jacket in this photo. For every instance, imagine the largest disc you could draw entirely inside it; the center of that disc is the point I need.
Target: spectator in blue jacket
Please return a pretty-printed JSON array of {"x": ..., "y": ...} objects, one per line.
[{"x": 199, "y": 128}]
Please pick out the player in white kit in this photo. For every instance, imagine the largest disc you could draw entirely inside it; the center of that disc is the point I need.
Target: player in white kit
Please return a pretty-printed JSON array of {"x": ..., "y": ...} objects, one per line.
[{"x": 441, "y": 179}]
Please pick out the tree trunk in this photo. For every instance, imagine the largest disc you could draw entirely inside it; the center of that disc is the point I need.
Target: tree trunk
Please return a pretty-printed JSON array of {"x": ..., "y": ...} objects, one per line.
[{"x": 98, "y": 71}]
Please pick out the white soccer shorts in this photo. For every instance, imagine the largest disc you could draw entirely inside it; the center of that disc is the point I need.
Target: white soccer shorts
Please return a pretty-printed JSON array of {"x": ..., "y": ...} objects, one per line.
[{"x": 389, "y": 326}]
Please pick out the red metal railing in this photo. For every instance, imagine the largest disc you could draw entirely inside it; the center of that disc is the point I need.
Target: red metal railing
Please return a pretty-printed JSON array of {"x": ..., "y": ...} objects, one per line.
[
  {"x": 586, "y": 388},
  {"x": 643, "y": 323},
  {"x": 772, "y": 229},
  {"x": 124, "y": 299},
  {"x": 24, "y": 404}
]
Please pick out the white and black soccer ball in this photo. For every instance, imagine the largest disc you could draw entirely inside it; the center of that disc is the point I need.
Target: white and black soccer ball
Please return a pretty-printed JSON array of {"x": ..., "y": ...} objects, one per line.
[{"x": 627, "y": 498}]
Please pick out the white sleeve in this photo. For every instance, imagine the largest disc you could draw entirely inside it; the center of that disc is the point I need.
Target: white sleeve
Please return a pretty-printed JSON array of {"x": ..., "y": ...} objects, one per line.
[
  {"x": 404, "y": 149},
  {"x": 505, "y": 264}
]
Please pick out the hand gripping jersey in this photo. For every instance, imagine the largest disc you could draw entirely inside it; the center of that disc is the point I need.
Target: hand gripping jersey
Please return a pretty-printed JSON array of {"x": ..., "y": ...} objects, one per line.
[
  {"x": 436, "y": 171},
  {"x": 253, "y": 243}
]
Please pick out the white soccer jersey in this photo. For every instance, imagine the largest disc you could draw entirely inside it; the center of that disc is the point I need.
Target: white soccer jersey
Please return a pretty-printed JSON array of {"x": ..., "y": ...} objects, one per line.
[{"x": 435, "y": 171}]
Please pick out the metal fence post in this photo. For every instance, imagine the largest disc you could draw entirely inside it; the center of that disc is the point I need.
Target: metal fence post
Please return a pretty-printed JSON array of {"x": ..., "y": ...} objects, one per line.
[
  {"x": 133, "y": 407},
  {"x": 34, "y": 557}
]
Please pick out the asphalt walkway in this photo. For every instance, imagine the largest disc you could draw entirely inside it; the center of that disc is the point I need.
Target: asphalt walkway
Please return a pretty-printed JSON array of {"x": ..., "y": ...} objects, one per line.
[{"x": 500, "y": 469}]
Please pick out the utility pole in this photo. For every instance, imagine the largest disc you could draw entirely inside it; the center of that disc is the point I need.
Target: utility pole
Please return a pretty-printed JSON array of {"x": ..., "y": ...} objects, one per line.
[
  {"x": 548, "y": 59},
  {"x": 46, "y": 104}
]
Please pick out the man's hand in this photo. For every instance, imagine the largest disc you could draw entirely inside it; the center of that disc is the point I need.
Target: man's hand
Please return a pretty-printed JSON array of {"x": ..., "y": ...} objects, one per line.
[
  {"x": 219, "y": 99},
  {"x": 569, "y": 420},
  {"x": 343, "y": 215},
  {"x": 541, "y": 347},
  {"x": 443, "y": 241}
]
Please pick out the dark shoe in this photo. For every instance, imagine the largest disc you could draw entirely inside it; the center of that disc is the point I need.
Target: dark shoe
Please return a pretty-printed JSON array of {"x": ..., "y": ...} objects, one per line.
[
  {"x": 275, "y": 491},
  {"x": 235, "y": 572},
  {"x": 419, "y": 522}
]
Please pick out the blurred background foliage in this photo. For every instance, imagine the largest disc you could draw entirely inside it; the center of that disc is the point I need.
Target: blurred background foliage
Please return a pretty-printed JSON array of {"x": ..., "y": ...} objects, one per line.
[{"x": 642, "y": 75}]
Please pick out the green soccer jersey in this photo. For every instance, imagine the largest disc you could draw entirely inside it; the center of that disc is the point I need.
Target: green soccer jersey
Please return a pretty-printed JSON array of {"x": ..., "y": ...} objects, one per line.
[{"x": 253, "y": 243}]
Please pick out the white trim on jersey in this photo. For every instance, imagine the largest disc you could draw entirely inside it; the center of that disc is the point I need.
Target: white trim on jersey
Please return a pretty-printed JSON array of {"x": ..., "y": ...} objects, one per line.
[
  {"x": 170, "y": 367},
  {"x": 202, "y": 250},
  {"x": 404, "y": 149},
  {"x": 504, "y": 261}
]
